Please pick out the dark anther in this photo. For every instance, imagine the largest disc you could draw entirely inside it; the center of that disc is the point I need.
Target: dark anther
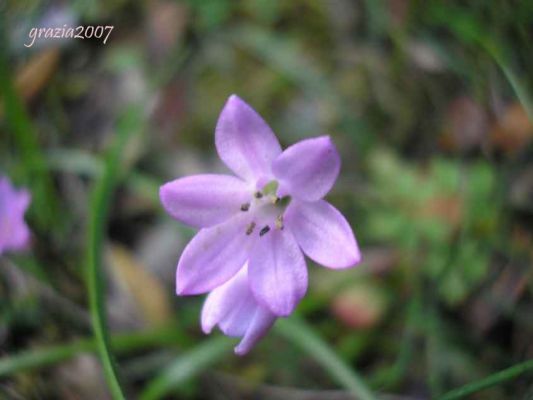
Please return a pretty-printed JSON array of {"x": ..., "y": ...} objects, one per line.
[
  {"x": 264, "y": 231},
  {"x": 276, "y": 200},
  {"x": 258, "y": 195},
  {"x": 250, "y": 228},
  {"x": 245, "y": 207}
]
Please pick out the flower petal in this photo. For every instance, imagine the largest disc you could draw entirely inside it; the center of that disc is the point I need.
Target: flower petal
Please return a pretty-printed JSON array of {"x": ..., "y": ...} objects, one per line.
[
  {"x": 14, "y": 232},
  {"x": 308, "y": 169},
  {"x": 237, "y": 304},
  {"x": 20, "y": 237},
  {"x": 323, "y": 233},
  {"x": 238, "y": 320},
  {"x": 244, "y": 141},
  {"x": 204, "y": 200},
  {"x": 213, "y": 256},
  {"x": 223, "y": 299},
  {"x": 22, "y": 197},
  {"x": 258, "y": 327},
  {"x": 277, "y": 273},
  {"x": 233, "y": 307}
]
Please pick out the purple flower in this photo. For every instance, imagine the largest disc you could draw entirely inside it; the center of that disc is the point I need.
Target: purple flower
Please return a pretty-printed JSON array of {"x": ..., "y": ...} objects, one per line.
[
  {"x": 234, "y": 309},
  {"x": 14, "y": 233},
  {"x": 266, "y": 218}
]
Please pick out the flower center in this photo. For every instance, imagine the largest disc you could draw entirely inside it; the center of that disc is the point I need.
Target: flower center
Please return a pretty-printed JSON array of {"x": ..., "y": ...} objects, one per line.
[{"x": 266, "y": 210}]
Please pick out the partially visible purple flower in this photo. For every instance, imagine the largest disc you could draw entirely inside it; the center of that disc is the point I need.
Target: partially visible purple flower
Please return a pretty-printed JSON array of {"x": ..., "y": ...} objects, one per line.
[
  {"x": 234, "y": 309},
  {"x": 14, "y": 233},
  {"x": 266, "y": 217}
]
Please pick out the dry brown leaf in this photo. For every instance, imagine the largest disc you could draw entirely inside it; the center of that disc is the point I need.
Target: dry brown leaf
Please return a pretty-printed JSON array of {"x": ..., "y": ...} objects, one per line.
[
  {"x": 167, "y": 21},
  {"x": 448, "y": 209},
  {"x": 466, "y": 125},
  {"x": 81, "y": 378},
  {"x": 495, "y": 300},
  {"x": 360, "y": 306},
  {"x": 34, "y": 75},
  {"x": 513, "y": 130},
  {"x": 149, "y": 294},
  {"x": 398, "y": 12}
]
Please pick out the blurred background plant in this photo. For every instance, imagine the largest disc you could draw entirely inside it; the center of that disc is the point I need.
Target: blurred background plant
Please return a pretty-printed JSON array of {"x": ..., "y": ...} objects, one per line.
[{"x": 429, "y": 104}]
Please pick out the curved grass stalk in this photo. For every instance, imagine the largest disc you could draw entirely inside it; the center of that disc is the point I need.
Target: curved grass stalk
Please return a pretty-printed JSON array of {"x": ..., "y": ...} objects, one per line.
[
  {"x": 514, "y": 80},
  {"x": 300, "y": 334},
  {"x": 99, "y": 209},
  {"x": 186, "y": 366},
  {"x": 49, "y": 355},
  {"x": 489, "y": 381}
]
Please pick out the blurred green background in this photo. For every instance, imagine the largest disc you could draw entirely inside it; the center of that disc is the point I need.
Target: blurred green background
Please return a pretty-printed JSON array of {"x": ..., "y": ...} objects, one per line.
[{"x": 428, "y": 103}]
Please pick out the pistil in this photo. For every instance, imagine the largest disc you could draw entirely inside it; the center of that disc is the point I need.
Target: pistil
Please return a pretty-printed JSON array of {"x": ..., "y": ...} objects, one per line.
[{"x": 250, "y": 228}]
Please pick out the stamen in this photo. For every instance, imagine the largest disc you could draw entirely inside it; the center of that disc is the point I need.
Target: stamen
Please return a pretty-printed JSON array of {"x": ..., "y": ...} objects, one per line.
[
  {"x": 271, "y": 188},
  {"x": 250, "y": 228},
  {"x": 245, "y": 207},
  {"x": 284, "y": 201},
  {"x": 279, "y": 222},
  {"x": 258, "y": 195},
  {"x": 264, "y": 231},
  {"x": 276, "y": 200}
]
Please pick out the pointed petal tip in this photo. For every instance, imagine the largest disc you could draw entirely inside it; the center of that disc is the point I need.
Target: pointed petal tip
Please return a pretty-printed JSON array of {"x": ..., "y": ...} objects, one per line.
[
  {"x": 163, "y": 195},
  {"x": 184, "y": 288},
  {"x": 207, "y": 327},
  {"x": 180, "y": 290},
  {"x": 234, "y": 97},
  {"x": 352, "y": 263},
  {"x": 235, "y": 100},
  {"x": 240, "y": 350},
  {"x": 24, "y": 198},
  {"x": 356, "y": 257},
  {"x": 325, "y": 138},
  {"x": 180, "y": 283}
]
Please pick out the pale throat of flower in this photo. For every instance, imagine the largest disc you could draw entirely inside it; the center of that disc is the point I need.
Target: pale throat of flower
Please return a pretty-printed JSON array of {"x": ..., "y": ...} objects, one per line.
[{"x": 266, "y": 209}]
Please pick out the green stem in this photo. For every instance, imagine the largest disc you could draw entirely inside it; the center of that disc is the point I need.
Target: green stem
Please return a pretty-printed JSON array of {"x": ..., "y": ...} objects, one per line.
[
  {"x": 99, "y": 209},
  {"x": 299, "y": 333},
  {"x": 489, "y": 381},
  {"x": 45, "y": 356}
]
